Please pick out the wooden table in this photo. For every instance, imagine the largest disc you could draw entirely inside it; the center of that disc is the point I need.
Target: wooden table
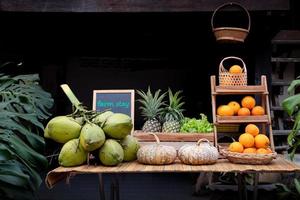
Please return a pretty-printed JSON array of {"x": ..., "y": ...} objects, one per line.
[{"x": 279, "y": 165}]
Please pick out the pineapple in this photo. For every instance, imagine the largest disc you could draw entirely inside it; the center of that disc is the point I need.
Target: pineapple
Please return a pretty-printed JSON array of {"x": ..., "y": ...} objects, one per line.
[
  {"x": 151, "y": 109},
  {"x": 172, "y": 114}
]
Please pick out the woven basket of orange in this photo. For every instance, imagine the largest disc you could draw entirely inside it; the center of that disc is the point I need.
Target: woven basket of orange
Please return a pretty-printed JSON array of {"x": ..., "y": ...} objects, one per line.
[
  {"x": 235, "y": 75},
  {"x": 251, "y": 148}
]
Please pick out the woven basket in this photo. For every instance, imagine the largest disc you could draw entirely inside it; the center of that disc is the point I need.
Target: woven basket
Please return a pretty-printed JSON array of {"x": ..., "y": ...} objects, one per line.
[
  {"x": 228, "y": 79},
  {"x": 248, "y": 158},
  {"x": 230, "y": 34}
]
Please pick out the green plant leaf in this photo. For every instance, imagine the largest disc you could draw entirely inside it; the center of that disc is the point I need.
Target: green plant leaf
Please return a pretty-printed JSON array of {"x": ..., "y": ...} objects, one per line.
[
  {"x": 297, "y": 185},
  {"x": 23, "y": 104},
  {"x": 291, "y": 103},
  {"x": 294, "y": 84}
]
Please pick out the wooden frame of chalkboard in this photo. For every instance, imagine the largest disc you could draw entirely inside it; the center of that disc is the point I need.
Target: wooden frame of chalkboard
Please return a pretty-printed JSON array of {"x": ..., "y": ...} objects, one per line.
[{"x": 121, "y": 101}]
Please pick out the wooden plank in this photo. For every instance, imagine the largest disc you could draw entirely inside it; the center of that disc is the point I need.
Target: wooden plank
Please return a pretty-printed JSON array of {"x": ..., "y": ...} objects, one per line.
[
  {"x": 242, "y": 119},
  {"x": 173, "y": 137},
  {"x": 133, "y": 5},
  {"x": 222, "y": 165},
  {"x": 249, "y": 89}
]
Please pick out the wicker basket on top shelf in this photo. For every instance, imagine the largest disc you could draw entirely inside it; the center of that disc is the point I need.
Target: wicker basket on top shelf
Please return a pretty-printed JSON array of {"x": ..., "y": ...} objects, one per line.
[{"x": 229, "y": 79}]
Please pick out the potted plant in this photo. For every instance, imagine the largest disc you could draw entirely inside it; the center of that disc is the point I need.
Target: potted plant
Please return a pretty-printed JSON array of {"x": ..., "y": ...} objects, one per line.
[
  {"x": 292, "y": 106},
  {"x": 24, "y": 106}
]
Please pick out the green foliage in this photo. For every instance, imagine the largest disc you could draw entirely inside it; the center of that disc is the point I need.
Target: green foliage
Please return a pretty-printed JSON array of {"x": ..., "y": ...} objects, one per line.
[
  {"x": 151, "y": 104},
  {"x": 174, "y": 110},
  {"x": 193, "y": 125},
  {"x": 291, "y": 192},
  {"x": 292, "y": 106},
  {"x": 23, "y": 106}
]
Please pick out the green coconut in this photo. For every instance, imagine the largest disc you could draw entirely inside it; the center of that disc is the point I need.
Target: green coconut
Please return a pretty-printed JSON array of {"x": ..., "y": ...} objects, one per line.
[
  {"x": 46, "y": 132},
  {"x": 130, "y": 146},
  {"x": 111, "y": 153},
  {"x": 101, "y": 118},
  {"x": 72, "y": 154},
  {"x": 118, "y": 126},
  {"x": 62, "y": 129},
  {"x": 92, "y": 137}
]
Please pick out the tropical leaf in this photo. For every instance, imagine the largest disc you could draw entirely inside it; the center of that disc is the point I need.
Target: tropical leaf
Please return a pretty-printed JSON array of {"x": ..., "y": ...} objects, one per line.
[
  {"x": 23, "y": 107},
  {"x": 291, "y": 104},
  {"x": 292, "y": 87}
]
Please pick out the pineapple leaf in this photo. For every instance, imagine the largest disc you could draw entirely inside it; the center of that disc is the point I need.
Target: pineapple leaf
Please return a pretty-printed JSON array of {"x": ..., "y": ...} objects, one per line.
[{"x": 151, "y": 105}]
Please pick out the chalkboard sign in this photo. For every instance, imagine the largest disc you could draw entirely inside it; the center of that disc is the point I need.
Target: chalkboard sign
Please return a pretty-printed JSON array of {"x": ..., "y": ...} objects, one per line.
[{"x": 118, "y": 101}]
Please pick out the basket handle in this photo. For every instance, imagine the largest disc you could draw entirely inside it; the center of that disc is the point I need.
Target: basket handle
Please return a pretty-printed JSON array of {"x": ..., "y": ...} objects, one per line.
[
  {"x": 221, "y": 66},
  {"x": 230, "y": 4}
]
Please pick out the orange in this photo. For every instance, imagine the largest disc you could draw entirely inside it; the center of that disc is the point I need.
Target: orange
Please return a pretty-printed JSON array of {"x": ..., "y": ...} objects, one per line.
[
  {"x": 248, "y": 102},
  {"x": 261, "y": 141},
  {"x": 235, "y": 106},
  {"x": 244, "y": 112},
  {"x": 262, "y": 151},
  {"x": 235, "y": 69},
  {"x": 236, "y": 147},
  {"x": 247, "y": 140},
  {"x": 258, "y": 110},
  {"x": 250, "y": 150},
  {"x": 269, "y": 150},
  {"x": 225, "y": 110},
  {"x": 252, "y": 129}
]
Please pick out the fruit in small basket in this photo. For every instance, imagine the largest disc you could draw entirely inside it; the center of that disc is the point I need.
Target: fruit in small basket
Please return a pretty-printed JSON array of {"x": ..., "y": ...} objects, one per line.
[
  {"x": 235, "y": 106},
  {"x": 262, "y": 151},
  {"x": 236, "y": 147},
  {"x": 244, "y": 112},
  {"x": 235, "y": 69},
  {"x": 248, "y": 102},
  {"x": 72, "y": 154},
  {"x": 130, "y": 146},
  {"x": 258, "y": 110},
  {"x": 172, "y": 114},
  {"x": 261, "y": 141},
  {"x": 118, "y": 126},
  {"x": 111, "y": 153},
  {"x": 250, "y": 150},
  {"x": 247, "y": 140},
  {"x": 151, "y": 109},
  {"x": 225, "y": 110},
  {"x": 92, "y": 137},
  {"x": 252, "y": 129}
]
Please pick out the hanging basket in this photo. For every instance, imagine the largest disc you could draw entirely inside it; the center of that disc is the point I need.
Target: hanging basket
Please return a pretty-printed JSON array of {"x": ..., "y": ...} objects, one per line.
[
  {"x": 230, "y": 34},
  {"x": 229, "y": 79}
]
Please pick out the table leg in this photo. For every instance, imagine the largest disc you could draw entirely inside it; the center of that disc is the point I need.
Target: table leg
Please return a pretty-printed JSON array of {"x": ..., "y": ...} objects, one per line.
[
  {"x": 101, "y": 187},
  {"x": 242, "y": 187},
  {"x": 256, "y": 178},
  {"x": 114, "y": 188}
]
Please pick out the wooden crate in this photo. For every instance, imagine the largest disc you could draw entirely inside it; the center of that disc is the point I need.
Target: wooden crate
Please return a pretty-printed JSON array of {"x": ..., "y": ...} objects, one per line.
[{"x": 173, "y": 139}]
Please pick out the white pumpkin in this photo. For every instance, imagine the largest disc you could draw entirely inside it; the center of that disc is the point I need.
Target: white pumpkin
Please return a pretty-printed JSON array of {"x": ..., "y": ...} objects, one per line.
[
  {"x": 156, "y": 154},
  {"x": 198, "y": 154}
]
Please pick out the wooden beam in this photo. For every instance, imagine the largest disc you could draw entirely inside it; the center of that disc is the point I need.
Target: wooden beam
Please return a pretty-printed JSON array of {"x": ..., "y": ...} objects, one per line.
[{"x": 133, "y": 5}]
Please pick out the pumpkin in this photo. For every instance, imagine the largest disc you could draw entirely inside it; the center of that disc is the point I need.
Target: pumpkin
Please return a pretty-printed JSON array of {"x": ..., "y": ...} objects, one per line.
[
  {"x": 198, "y": 154},
  {"x": 156, "y": 154}
]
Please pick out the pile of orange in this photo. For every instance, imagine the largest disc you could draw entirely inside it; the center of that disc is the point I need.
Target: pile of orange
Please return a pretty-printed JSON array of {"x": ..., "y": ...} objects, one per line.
[
  {"x": 247, "y": 107},
  {"x": 251, "y": 142}
]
